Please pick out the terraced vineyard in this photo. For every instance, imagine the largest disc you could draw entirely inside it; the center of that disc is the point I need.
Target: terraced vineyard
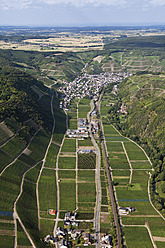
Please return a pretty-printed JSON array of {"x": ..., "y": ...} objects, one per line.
[{"x": 130, "y": 170}]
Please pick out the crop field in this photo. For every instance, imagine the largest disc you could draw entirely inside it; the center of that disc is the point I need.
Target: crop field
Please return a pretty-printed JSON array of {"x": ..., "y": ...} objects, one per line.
[
  {"x": 46, "y": 227},
  {"x": 4, "y": 134},
  {"x": 134, "y": 194},
  {"x": 134, "y": 152},
  {"x": 13, "y": 147},
  {"x": 86, "y": 161},
  {"x": 110, "y": 131},
  {"x": 32, "y": 174},
  {"x": 126, "y": 193},
  {"x": 73, "y": 124},
  {"x": 67, "y": 162},
  {"x": 157, "y": 226},
  {"x": 86, "y": 192},
  {"x": 27, "y": 207},
  {"x": 67, "y": 195},
  {"x": 5, "y": 160},
  {"x": 38, "y": 145},
  {"x": 85, "y": 142},
  {"x": 22, "y": 239},
  {"x": 10, "y": 181},
  {"x": 117, "y": 163},
  {"x": 83, "y": 110},
  {"x": 47, "y": 191},
  {"x": 121, "y": 173},
  {"x": 69, "y": 145},
  {"x": 141, "y": 165},
  {"x": 133, "y": 220},
  {"x": 86, "y": 176},
  {"x": 142, "y": 207},
  {"x": 66, "y": 174},
  {"x": 114, "y": 146},
  {"x": 52, "y": 155},
  {"x": 7, "y": 241},
  {"x": 140, "y": 234}
]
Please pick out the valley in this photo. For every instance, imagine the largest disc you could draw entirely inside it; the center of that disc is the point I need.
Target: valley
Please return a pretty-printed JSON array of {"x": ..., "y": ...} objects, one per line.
[{"x": 82, "y": 144}]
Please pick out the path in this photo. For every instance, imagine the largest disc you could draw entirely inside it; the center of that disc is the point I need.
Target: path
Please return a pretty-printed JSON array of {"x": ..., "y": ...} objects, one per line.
[
  {"x": 44, "y": 160},
  {"x": 15, "y": 214},
  {"x": 19, "y": 154},
  {"x": 130, "y": 180}
]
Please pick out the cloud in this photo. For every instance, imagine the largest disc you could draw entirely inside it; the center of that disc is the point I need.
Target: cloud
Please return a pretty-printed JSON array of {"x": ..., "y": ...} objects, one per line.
[
  {"x": 15, "y": 4},
  {"x": 81, "y": 3},
  {"x": 156, "y": 3},
  {"x": 20, "y": 4}
]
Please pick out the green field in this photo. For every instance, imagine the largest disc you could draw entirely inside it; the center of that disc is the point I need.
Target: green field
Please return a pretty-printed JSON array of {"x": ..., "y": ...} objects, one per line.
[
  {"x": 13, "y": 147},
  {"x": 86, "y": 176},
  {"x": 47, "y": 191},
  {"x": 52, "y": 155},
  {"x": 67, "y": 162},
  {"x": 69, "y": 145},
  {"x": 3, "y": 135},
  {"x": 137, "y": 237},
  {"x": 86, "y": 161},
  {"x": 67, "y": 195},
  {"x": 134, "y": 152},
  {"x": 114, "y": 146},
  {"x": 65, "y": 174},
  {"x": 46, "y": 227},
  {"x": 141, "y": 207},
  {"x": 85, "y": 142},
  {"x": 86, "y": 192},
  {"x": 110, "y": 131}
]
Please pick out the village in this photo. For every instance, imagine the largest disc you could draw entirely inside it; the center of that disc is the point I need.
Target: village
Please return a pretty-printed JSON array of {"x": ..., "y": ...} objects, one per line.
[
  {"x": 69, "y": 235},
  {"x": 88, "y": 86}
]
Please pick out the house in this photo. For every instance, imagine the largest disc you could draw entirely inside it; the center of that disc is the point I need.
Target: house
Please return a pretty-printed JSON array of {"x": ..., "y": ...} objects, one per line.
[
  {"x": 126, "y": 210},
  {"x": 52, "y": 212},
  {"x": 60, "y": 231},
  {"x": 62, "y": 243},
  {"x": 106, "y": 241},
  {"x": 67, "y": 216},
  {"x": 86, "y": 237}
]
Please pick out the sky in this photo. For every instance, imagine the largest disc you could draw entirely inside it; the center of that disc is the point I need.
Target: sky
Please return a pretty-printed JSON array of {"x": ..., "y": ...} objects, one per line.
[{"x": 81, "y": 12}]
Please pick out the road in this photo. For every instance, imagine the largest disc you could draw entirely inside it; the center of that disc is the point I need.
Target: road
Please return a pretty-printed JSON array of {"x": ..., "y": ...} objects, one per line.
[
  {"x": 98, "y": 196},
  {"x": 111, "y": 195}
]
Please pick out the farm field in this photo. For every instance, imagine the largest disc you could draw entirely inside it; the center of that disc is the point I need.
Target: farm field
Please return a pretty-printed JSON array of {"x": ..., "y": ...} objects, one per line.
[
  {"x": 69, "y": 146},
  {"x": 83, "y": 108},
  {"x": 139, "y": 234},
  {"x": 47, "y": 192},
  {"x": 130, "y": 172}
]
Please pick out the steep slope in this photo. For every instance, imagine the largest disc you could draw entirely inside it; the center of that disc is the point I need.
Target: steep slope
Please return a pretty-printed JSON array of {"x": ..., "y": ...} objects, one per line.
[{"x": 144, "y": 97}]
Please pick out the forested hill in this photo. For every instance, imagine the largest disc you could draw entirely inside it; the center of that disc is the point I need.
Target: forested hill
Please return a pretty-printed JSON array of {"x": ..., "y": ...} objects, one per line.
[
  {"x": 144, "y": 97},
  {"x": 20, "y": 96}
]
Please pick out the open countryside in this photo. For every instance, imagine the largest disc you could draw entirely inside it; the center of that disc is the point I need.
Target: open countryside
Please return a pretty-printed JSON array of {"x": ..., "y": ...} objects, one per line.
[{"x": 82, "y": 160}]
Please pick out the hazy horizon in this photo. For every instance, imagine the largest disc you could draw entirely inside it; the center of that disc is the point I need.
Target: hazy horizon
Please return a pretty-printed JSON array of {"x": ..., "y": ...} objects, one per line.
[{"x": 81, "y": 13}]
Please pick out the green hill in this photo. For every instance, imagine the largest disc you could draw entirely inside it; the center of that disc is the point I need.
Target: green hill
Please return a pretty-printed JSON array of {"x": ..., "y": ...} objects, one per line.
[
  {"x": 26, "y": 125},
  {"x": 144, "y": 97}
]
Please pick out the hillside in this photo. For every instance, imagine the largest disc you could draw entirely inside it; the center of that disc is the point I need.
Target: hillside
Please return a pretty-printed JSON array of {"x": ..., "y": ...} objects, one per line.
[
  {"x": 29, "y": 117},
  {"x": 144, "y": 97}
]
